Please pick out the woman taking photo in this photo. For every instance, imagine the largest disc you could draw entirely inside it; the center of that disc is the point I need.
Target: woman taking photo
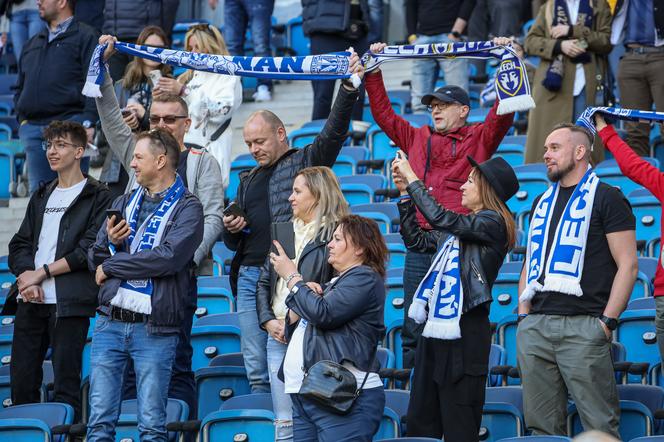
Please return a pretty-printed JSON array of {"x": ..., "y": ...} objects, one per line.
[
  {"x": 317, "y": 204},
  {"x": 453, "y": 300},
  {"x": 212, "y": 98},
  {"x": 337, "y": 328},
  {"x": 134, "y": 94}
]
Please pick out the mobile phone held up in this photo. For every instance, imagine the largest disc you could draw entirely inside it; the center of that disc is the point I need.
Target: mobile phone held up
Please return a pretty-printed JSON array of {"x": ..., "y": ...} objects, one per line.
[
  {"x": 118, "y": 215},
  {"x": 234, "y": 209}
]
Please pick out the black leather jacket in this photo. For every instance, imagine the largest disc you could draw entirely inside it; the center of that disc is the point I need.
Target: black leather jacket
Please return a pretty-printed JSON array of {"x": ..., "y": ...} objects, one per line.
[
  {"x": 482, "y": 236},
  {"x": 312, "y": 266},
  {"x": 346, "y": 323}
]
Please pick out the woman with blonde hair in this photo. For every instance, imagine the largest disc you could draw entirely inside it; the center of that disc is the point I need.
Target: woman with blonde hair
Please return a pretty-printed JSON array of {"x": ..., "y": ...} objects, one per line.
[
  {"x": 453, "y": 300},
  {"x": 212, "y": 98},
  {"x": 318, "y": 205}
]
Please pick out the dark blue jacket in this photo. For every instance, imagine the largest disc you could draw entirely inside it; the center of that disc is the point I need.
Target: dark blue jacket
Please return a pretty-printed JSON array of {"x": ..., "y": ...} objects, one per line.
[
  {"x": 126, "y": 18},
  {"x": 329, "y": 16},
  {"x": 170, "y": 264},
  {"x": 51, "y": 76},
  {"x": 346, "y": 323}
]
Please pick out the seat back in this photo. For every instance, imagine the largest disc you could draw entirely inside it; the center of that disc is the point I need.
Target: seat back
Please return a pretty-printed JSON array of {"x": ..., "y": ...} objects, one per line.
[
  {"x": 390, "y": 425},
  {"x": 228, "y": 425},
  {"x": 214, "y": 385},
  {"x": 393, "y": 338},
  {"x": 209, "y": 341},
  {"x": 24, "y": 430},
  {"x": 635, "y": 420},
  {"x": 254, "y": 401},
  {"x": 50, "y": 413},
  {"x": 127, "y": 426},
  {"x": 636, "y": 331},
  {"x": 496, "y": 357},
  {"x": 229, "y": 359},
  {"x": 499, "y": 421}
]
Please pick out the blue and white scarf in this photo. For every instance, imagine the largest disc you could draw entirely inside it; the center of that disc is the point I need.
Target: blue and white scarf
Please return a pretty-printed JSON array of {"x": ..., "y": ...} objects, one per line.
[
  {"x": 442, "y": 291},
  {"x": 564, "y": 265},
  {"x": 134, "y": 294},
  {"x": 586, "y": 119},
  {"x": 512, "y": 88},
  {"x": 553, "y": 80}
]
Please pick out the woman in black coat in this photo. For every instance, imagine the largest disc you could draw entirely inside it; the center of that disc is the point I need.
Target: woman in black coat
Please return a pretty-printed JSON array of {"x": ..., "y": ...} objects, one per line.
[
  {"x": 453, "y": 300},
  {"x": 342, "y": 323}
]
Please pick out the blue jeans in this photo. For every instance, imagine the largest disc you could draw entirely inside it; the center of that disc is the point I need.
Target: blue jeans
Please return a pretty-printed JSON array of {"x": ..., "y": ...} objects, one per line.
[
  {"x": 39, "y": 170},
  {"x": 579, "y": 105},
  {"x": 312, "y": 423},
  {"x": 425, "y": 72},
  {"x": 23, "y": 26},
  {"x": 415, "y": 269},
  {"x": 254, "y": 338},
  {"x": 257, "y": 14},
  {"x": 375, "y": 21},
  {"x": 113, "y": 344},
  {"x": 281, "y": 402}
]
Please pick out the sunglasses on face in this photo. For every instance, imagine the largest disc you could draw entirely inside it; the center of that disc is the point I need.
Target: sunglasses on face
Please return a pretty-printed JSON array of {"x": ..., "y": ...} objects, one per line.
[{"x": 168, "y": 119}]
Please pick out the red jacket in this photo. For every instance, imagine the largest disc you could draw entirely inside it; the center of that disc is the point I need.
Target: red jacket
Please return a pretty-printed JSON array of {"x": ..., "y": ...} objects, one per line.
[
  {"x": 641, "y": 172},
  {"x": 449, "y": 168}
]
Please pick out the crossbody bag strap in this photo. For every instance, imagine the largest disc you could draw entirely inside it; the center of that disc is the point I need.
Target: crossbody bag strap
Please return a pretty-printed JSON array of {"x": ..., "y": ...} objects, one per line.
[{"x": 359, "y": 390}]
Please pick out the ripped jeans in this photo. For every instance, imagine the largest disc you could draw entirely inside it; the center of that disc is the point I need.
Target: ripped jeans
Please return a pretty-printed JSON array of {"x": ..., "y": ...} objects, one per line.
[{"x": 281, "y": 402}]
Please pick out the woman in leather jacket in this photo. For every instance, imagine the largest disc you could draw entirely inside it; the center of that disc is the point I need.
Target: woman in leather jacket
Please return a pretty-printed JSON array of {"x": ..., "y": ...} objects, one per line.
[
  {"x": 317, "y": 204},
  {"x": 451, "y": 359},
  {"x": 343, "y": 324}
]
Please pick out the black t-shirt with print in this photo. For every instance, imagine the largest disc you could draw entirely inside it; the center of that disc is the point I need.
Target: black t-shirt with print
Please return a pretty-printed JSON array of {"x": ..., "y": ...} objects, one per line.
[{"x": 611, "y": 213}]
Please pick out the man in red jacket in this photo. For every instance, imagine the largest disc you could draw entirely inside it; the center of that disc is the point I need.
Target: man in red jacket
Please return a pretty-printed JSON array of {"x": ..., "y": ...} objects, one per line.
[
  {"x": 438, "y": 156},
  {"x": 641, "y": 172}
]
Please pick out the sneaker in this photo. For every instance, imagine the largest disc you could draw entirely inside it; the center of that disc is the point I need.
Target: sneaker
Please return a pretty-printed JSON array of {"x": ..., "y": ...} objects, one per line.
[{"x": 262, "y": 94}]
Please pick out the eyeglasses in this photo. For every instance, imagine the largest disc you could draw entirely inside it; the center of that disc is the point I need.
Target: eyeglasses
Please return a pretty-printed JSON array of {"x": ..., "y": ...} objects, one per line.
[
  {"x": 440, "y": 106},
  {"x": 58, "y": 145},
  {"x": 168, "y": 119}
]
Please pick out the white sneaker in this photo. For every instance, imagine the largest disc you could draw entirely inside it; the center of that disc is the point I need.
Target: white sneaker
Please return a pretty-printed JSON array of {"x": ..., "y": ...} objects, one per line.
[{"x": 262, "y": 93}]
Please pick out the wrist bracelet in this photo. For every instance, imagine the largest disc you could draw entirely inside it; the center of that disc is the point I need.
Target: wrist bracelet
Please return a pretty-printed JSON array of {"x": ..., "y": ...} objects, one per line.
[
  {"x": 405, "y": 197},
  {"x": 47, "y": 271},
  {"x": 521, "y": 317},
  {"x": 291, "y": 276}
]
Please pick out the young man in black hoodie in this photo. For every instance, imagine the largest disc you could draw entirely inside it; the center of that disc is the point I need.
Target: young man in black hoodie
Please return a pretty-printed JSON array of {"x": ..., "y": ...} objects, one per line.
[
  {"x": 51, "y": 75},
  {"x": 57, "y": 293}
]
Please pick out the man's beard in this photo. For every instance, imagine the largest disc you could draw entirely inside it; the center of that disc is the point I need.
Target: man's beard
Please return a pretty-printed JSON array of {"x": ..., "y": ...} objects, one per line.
[{"x": 555, "y": 176}]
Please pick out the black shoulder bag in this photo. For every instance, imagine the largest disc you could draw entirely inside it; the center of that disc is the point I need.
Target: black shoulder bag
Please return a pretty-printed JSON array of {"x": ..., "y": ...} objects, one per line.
[{"x": 332, "y": 386}]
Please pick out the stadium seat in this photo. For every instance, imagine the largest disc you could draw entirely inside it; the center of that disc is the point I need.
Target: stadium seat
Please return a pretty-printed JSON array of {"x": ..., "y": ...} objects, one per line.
[
  {"x": 394, "y": 298},
  {"x": 361, "y": 189},
  {"x": 225, "y": 319},
  {"x": 648, "y": 266},
  {"x": 537, "y": 439},
  {"x": 209, "y": 341},
  {"x": 222, "y": 257},
  {"x": 649, "y": 439},
  {"x": 649, "y": 395},
  {"x": 233, "y": 359},
  {"x": 515, "y": 139},
  {"x": 240, "y": 164},
  {"x": 477, "y": 115},
  {"x": 641, "y": 304},
  {"x": 647, "y": 212},
  {"x": 295, "y": 37},
  {"x": 393, "y": 340},
  {"x": 635, "y": 420},
  {"x": 382, "y": 148},
  {"x": 506, "y": 337},
  {"x": 214, "y": 385},
  {"x": 390, "y": 425},
  {"x": 349, "y": 161},
  {"x": 505, "y": 292},
  {"x": 500, "y": 420},
  {"x": 396, "y": 249},
  {"x": 609, "y": 172},
  {"x": 497, "y": 357},
  {"x": 512, "y": 153},
  {"x": 50, "y": 414},
  {"x": 231, "y": 425},
  {"x": 397, "y": 400},
  {"x": 214, "y": 296},
  {"x": 255, "y": 401},
  {"x": 24, "y": 430},
  {"x": 399, "y": 99},
  {"x": 636, "y": 331},
  {"x": 127, "y": 426},
  {"x": 532, "y": 183},
  {"x": 512, "y": 395},
  {"x": 385, "y": 214},
  {"x": 5, "y": 391}
]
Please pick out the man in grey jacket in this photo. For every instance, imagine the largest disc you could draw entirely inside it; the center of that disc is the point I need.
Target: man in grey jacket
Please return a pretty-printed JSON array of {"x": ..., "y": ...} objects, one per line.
[{"x": 202, "y": 177}]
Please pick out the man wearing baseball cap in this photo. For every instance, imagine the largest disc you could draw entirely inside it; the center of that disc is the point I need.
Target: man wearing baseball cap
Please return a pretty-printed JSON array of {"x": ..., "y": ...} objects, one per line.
[{"x": 438, "y": 157}]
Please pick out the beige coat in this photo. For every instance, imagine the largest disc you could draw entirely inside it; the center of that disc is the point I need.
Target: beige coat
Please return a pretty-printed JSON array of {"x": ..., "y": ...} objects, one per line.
[{"x": 557, "y": 107}]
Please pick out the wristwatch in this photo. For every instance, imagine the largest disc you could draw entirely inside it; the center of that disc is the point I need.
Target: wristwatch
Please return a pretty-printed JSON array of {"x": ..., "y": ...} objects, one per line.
[
  {"x": 611, "y": 323},
  {"x": 456, "y": 34}
]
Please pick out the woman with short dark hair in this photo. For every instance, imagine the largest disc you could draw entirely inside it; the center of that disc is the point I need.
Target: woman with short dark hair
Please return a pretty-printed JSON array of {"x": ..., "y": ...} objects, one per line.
[{"x": 341, "y": 324}]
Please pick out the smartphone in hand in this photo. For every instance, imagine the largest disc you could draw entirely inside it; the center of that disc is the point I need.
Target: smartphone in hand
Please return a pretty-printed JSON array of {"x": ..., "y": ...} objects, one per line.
[
  {"x": 117, "y": 213},
  {"x": 234, "y": 209}
]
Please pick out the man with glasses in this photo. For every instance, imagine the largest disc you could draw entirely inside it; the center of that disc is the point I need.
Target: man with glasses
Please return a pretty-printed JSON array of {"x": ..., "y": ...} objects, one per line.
[
  {"x": 57, "y": 293},
  {"x": 438, "y": 156},
  {"x": 201, "y": 175},
  {"x": 143, "y": 262}
]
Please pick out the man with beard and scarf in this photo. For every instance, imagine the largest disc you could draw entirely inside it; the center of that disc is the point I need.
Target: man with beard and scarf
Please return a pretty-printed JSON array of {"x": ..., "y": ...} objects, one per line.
[
  {"x": 579, "y": 272},
  {"x": 437, "y": 154}
]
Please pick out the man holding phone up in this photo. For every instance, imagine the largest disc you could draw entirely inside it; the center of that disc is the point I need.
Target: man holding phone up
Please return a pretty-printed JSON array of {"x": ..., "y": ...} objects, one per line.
[
  {"x": 263, "y": 198},
  {"x": 57, "y": 293}
]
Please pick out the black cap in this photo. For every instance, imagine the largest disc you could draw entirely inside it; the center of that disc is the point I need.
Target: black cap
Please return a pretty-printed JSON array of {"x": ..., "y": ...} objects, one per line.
[
  {"x": 500, "y": 176},
  {"x": 448, "y": 94}
]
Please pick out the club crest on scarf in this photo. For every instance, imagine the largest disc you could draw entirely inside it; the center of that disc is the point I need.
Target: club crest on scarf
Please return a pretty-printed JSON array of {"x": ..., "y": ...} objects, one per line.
[
  {"x": 510, "y": 77},
  {"x": 337, "y": 64}
]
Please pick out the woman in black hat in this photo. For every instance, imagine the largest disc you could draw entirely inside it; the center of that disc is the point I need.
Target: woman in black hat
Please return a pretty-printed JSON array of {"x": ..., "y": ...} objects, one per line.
[{"x": 453, "y": 300}]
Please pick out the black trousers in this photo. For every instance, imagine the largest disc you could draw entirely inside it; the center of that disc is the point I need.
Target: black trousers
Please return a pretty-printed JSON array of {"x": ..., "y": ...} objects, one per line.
[
  {"x": 447, "y": 394},
  {"x": 324, "y": 89},
  {"x": 36, "y": 328}
]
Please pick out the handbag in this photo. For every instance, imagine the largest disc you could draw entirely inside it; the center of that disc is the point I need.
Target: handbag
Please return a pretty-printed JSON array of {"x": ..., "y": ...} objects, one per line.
[{"x": 332, "y": 386}]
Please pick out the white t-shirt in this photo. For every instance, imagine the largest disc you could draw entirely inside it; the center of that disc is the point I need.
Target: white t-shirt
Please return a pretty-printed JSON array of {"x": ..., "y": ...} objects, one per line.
[
  {"x": 580, "y": 76},
  {"x": 57, "y": 204}
]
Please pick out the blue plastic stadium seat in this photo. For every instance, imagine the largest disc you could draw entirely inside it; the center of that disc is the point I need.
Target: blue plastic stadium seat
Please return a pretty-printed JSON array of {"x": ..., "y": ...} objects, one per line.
[
  {"x": 228, "y": 425},
  {"x": 635, "y": 420},
  {"x": 209, "y": 341},
  {"x": 222, "y": 257},
  {"x": 127, "y": 426},
  {"x": 348, "y": 159},
  {"x": 506, "y": 337},
  {"x": 254, "y": 401},
  {"x": 532, "y": 183},
  {"x": 240, "y": 164},
  {"x": 636, "y": 331},
  {"x": 500, "y": 420},
  {"x": 394, "y": 298},
  {"x": 609, "y": 172},
  {"x": 390, "y": 425},
  {"x": 397, "y": 400},
  {"x": 297, "y": 41},
  {"x": 214, "y": 296},
  {"x": 50, "y": 414},
  {"x": 385, "y": 214},
  {"x": 214, "y": 385},
  {"x": 505, "y": 291},
  {"x": 497, "y": 356},
  {"x": 393, "y": 340},
  {"x": 641, "y": 304},
  {"x": 512, "y": 153},
  {"x": 361, "y": 189}
]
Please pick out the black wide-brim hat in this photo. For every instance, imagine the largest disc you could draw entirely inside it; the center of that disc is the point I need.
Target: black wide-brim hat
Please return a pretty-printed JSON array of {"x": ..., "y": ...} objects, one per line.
[{"x": 500, "y": 176}]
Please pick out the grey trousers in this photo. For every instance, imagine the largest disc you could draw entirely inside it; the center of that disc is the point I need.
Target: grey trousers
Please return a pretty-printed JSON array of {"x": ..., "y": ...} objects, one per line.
[{"x": 561, "y": 355}]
